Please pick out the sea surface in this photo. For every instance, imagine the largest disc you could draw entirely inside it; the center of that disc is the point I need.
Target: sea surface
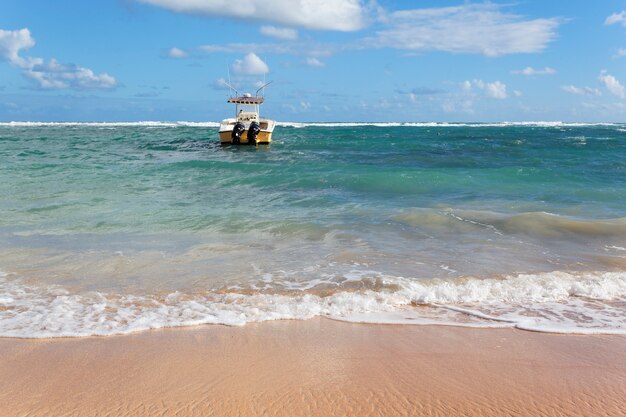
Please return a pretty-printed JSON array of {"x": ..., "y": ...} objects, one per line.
[{"x": 109, "y": 228}]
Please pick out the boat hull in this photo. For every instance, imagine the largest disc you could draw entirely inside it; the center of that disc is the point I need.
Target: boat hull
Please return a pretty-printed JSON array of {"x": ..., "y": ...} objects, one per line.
[{"x": 263, "y": 138}]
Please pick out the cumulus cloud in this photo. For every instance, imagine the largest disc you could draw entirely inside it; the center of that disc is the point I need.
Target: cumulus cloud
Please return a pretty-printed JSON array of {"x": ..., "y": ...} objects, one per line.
[
  {"x": 280, "y": 48},
  {"x": 616, "y": 18},
  {"x": 50, "y": 74},
  {"x": 532, "y": 71},
  {"x": 176, "y": 53},
  {"x": 314, "y": 62},
  {"x": 340, "y": 15},
  {"x": 486, "y": 29},
  {"x": 612, "y": 85},
  {"x": 221, "y": 84},
  {"x": 621, "y": 52},
  {"x": 458, "y": 106},
  {"x": 251, "y": 64},
  {"x": 279, "y": 33},
  {"x": 469, "y": 28},
  {"x": 581, "y": 91},
  {"x": 53, "y": 75},
  {"x": 495, "y": 89},
  {"x": 12, "y": 41}
]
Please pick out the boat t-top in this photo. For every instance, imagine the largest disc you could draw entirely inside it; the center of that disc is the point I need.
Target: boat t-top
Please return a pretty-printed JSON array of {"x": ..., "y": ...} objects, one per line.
[{"x": 247, "y": 127}]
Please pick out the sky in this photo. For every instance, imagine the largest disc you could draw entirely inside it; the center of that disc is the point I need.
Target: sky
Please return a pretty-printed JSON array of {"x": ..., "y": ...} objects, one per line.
[{"x": 328, "y": 60}]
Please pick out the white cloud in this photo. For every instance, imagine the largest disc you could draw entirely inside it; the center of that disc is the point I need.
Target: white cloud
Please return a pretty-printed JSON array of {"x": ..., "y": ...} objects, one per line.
[
  {"x": 51, "y": 74},
  {"x": 621, "y": 52},
  {"x": 616, "y": 18},
  {"x": 11, "y": 41},
  {"x": 221, "y": 84},
  {"x": 612, "y": 84},
  {"x": 532, "y": 71},
  {"x": 581, "y": 91},
  {"x": 458, "y": 106},
  {"x": 279, "y": 33},
  {"x": 314, "y": 62},
  {"x": 469, "y": 28},
  {"x": 517, "y": 93},
  {"x": 288, "y": 48},
  {"x": 495, "y": 89},
  {"x": 341, "y": 15},
  {"x": 176, "y": 53},
  {"x": 383, "y": 103},
  {"x": 250, "y": 65}
]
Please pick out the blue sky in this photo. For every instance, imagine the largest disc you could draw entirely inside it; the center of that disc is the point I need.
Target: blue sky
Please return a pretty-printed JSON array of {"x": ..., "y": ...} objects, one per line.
[{"x": 341, "y": 60}]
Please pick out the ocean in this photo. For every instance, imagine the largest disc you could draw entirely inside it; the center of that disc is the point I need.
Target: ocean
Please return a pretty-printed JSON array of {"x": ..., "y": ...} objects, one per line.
[{"x": 111, "y": 228}]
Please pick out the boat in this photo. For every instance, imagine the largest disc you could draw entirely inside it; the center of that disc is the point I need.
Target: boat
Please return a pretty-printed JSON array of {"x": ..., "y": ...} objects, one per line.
[{"x": 247, "y": 127}]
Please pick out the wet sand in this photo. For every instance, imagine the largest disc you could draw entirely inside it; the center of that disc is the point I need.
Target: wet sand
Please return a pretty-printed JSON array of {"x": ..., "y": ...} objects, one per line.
[{"x": 317, "y": 367}]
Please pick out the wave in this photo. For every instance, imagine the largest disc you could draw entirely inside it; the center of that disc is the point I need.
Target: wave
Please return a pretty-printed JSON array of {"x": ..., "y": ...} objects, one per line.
[
  {"x": 547, "y": 124},
  {"x": 445, "y": 124},
  {"x": 532, "y": 223},
  {"x": 591, "y": 302},
  {"x": 110, "y": 124}
]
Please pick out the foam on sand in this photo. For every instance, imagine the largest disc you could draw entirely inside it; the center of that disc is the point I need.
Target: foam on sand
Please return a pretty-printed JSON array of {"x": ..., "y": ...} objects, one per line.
[{"x": 550, "y": 302}]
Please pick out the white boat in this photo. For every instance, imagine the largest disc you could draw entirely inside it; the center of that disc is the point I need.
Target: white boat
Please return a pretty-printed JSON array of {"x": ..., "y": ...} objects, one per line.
[{"x": 247, "y": 127}]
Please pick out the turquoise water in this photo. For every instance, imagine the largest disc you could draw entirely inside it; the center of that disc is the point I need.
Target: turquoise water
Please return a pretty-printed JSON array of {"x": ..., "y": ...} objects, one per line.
[{"x": 110, "y": 228}]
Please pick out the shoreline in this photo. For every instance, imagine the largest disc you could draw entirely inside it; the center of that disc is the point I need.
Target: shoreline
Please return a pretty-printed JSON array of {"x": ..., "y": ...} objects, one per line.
[{"x": 315, "y": 367}]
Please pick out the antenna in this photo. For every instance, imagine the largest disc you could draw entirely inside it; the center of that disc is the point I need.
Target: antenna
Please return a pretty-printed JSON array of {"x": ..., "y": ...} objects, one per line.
[
  {"x": 263, "y": 88},
  {"x": 231, "y": 88}
]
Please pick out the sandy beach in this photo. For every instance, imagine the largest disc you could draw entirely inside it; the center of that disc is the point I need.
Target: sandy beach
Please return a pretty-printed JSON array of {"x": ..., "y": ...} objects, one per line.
[
  {"x": 315, "y": 367},
  {"x": 338, "y": 208}
]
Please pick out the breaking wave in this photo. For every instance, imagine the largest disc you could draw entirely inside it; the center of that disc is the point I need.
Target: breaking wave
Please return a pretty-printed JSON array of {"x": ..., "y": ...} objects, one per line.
[
  {"x": 110, "y": 124},
  {"x": 532, "y": 223},
  {"x": 547, "y": 302},
  {"x": 557, "y": 124},
  {"x": 214, "y": 124}
]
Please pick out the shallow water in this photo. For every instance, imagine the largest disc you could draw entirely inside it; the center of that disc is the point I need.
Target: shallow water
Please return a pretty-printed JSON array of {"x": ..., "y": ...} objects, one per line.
[{"x": 109, "y": 228}]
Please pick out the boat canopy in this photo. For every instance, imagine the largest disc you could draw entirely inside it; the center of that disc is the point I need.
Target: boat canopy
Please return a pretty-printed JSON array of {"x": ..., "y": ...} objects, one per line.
[{"x": 246, "y": 100}]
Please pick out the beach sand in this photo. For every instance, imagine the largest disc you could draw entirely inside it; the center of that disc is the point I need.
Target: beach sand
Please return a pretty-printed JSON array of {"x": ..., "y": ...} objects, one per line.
[{"x": 317, "y": 367}]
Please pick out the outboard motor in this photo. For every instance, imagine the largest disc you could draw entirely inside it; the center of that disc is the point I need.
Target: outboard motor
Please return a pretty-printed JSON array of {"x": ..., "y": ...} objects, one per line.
[
  {"x": 253, "y": 132},
  {"x": 237, "y": 132}
]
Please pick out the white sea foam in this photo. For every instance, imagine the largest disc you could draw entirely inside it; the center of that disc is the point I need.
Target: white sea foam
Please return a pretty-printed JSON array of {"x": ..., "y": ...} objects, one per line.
[
  {"x": 214, "y": 124},
  {"x": 110, "y": 124},
  {"x": 556, "y": 124},
  {"x": 551, "y": 302}
]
